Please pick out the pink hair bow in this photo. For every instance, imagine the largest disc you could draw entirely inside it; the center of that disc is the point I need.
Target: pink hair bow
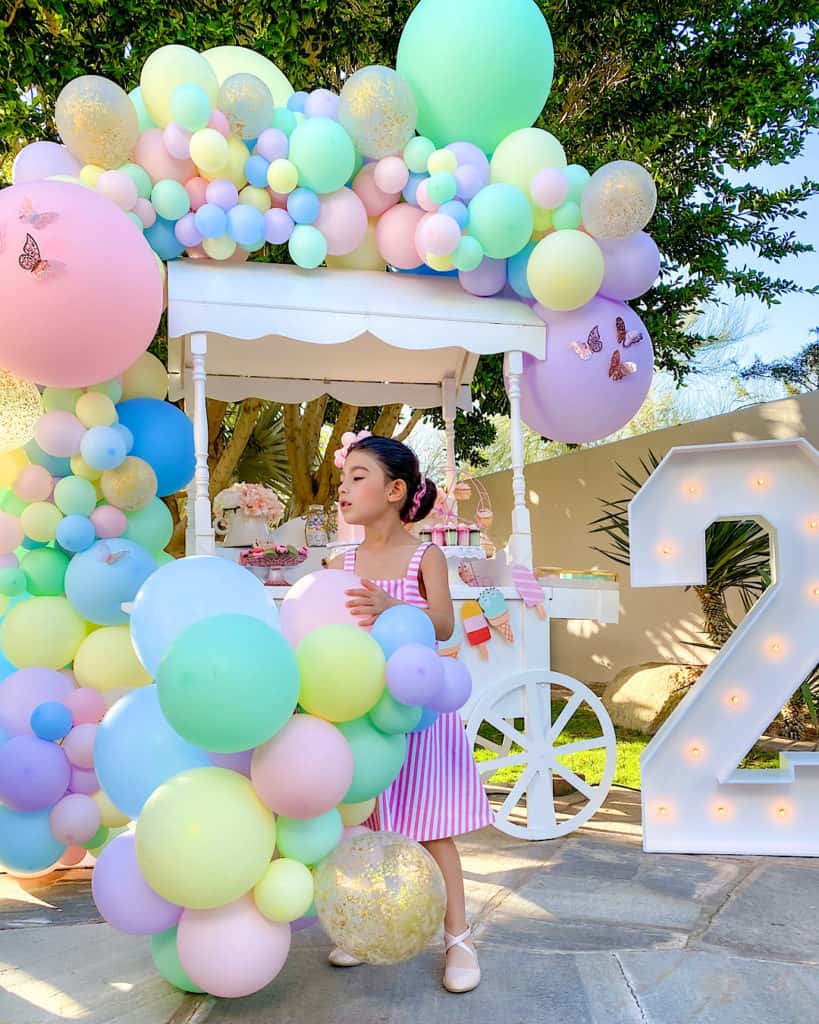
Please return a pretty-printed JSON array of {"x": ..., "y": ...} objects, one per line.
[{"x": 348, "y": 439}]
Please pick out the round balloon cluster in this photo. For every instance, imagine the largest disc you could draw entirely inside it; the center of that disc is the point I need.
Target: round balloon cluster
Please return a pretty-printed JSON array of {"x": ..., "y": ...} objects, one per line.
[
  {"x": 432, "y": 167},
  {"x": 81, "y": 529},
  {"x": 261, "y": 745}
]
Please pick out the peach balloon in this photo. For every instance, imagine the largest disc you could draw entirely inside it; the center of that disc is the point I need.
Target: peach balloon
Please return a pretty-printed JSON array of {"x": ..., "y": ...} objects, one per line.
[
  {"x": 196, "y": 188},
  {"x": 33, "y": 483},
  {"x": 395, "y": 236},
  {"x": 342, "y": 220},
  {"x": 144, "y": 209},
  {"x": 152, "y": 154},
  {"x": 59, "y": 433},
  {"x": 89, "y": 304},
  {"x": 375, "y": 201}
]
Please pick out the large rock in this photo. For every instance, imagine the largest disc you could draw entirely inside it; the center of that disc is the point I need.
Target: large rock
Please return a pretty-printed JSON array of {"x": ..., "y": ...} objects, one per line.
[{"x": 641, "y": 697}]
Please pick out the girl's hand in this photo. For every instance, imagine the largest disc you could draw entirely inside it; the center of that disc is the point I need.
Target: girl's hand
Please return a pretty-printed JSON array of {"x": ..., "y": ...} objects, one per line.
[{"x": 368, "y": 602}]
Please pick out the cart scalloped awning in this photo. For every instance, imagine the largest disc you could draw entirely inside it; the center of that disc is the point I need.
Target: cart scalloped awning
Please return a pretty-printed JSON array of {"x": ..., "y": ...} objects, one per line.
[{"x": 365, "y": 337}]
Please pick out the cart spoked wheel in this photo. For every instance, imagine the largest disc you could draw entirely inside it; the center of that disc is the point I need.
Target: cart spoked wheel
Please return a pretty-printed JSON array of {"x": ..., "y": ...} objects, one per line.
[{"x": 523, "y": 731}]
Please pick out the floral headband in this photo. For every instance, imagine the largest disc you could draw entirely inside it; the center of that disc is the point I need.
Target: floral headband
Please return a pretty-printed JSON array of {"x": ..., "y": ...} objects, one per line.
[{"x": 348, "y": 439}]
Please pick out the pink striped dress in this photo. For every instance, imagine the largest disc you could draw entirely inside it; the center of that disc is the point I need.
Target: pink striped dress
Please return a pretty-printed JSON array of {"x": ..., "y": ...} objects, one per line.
[{"x": 438, "y": 792}]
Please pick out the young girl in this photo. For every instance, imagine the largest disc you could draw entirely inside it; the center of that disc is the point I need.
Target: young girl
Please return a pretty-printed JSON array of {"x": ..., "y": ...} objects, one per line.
[{"x": 438, "y": 793}]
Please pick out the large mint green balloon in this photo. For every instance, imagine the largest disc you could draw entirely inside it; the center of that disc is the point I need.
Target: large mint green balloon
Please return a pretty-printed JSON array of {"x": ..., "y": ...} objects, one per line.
[
  {"x": 479, "y": 69},
  {"x": 228, "y": 683},
  {"x": 150, "y": 526},
  {"x": 500, "y": 217},
  {"x": 323, "y": 153},
  {"x": 377, "y": 758},
  {"x": 308, "y": 840}
]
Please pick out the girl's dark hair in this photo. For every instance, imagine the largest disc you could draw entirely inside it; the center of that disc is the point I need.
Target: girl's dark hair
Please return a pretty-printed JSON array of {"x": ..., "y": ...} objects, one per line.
[{"x": 401, "y": 463}]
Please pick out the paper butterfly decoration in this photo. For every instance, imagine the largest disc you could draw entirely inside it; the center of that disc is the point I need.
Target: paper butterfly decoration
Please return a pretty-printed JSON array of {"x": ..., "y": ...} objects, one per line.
[
  {"x": 105, "y": 554},
  {"x": 30, "y": 216},
  {"x": 624, "y": 337},
  {"x": 31, "y": 260},
  {"x": 585, "y": 349},
  {"x": 618, "y": 370}
]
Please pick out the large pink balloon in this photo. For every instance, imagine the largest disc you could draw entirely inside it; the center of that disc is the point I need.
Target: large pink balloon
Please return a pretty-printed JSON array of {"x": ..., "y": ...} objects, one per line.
[
  {"x": 152, "y": 154},
  {"x": 304, "y": 770},
  {"x": 39, "y": 160},
  {"x": 88, "y": 305},
  {"x": 231, "y": 951},
  {"x": 573, "y": 399},
  {"x": 22, "y": 691},
  {"x": 375, "y": 201},
  {"x": 395, "y": 236},
  {"x": 343, "y": 221},
  {"x": 317, "y": 600}
]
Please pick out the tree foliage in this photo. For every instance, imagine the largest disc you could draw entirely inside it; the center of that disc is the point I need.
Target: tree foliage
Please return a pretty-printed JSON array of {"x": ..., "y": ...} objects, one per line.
[{"x": 796, "y": 374}]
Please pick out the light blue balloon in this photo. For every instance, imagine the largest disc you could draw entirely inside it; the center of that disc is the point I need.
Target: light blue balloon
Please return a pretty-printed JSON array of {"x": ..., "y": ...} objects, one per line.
[
  {"x": 210, "y": 220},
  {"x": 428, "y": 718},
  {"x": 106, "y": 576},
  {"x": 400, "y": 625},
  {"x": 516, "y": 271},
  {"x": 190, "y": 107},
  {"x": 187, "y": 590},
  {"x": 51, "y": 720},
  {"x": 55, "y": 465},
  {"x": 26, "y": 842},
  {"x": 245, "y": 224},
  {"x": 296, "y": 101},
  {"x": 303, "y": 205},
  {"x": 161, "y": 238},
  {"x": 136, "y": 750},
  {"x": 410, "y": 189},
  {"x": 125, "y": 434},
  {"x": 457, "y": 211},
  {"x": 442, "y": 187},
  {"x": 3, "y": 734},
  {"x": 284, "y": 120},
  {"x": 75, "y": 533},
  {"x": 256, "y": 171},
  {"x": 103, "y": 447},
  {"x": 578, "y": 179}
]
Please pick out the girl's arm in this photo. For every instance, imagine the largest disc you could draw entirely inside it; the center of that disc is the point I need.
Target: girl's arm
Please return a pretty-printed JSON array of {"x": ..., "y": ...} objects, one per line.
[{"x": 435, "y": 587}]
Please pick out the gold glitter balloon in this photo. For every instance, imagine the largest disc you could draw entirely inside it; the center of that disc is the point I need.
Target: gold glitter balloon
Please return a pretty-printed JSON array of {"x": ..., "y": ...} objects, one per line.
[
  {"x": 380, "y": 897},
  {"x": 97, "y": 121},
  {"x": 130, "y": 486},
  {"x": 20, "y": 408},
  {"x": 246, "y": 102},
  {"x": 377, "y": 110},
  {"x": 618, "y": 200}
]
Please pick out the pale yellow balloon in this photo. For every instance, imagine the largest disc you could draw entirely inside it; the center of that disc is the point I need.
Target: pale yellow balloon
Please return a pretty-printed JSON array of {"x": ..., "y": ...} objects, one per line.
[
  {"x": 210, "y": 151},
  {"x": 97, "y": 121},
  {"x": 234, "y": 169},
  {"x": 42, "y": 631},
  {"x": 234, "y": 60},
  {"x": 380, "y": 897},
  {"x": 282, "y": 176},
  {"x": 79, "y": 467},
  {"x": 146, "y": 378},
  {"x": 221, "y": 248},
  {"x": 522, "y": 154},
  {"x": 259, "y": 198},
  {"x": 438, "y": 262},
  {"x": 365, "y": 257},
  {"x": 355, "y": 814},
  {"x": 61, "y": 398},
  {"x": 94, "y": 409},
  {"x": 40, "y": 520},
  {"x": 110, "y": 816},
  {"x": 565, "y": 270},
  {"x": 542, "y": 219},
  {"x": 285, "y": 891},
  {"x": 10, "y": 465},
  {"x": 167, "y": 68},
  {"x": 4, "y": 603},
  {"x": 90, "y": 175},
  {"x": 106, "y": 661},
  {"x": 442, "y": 160},
  {"x": 20, "y": 408}
]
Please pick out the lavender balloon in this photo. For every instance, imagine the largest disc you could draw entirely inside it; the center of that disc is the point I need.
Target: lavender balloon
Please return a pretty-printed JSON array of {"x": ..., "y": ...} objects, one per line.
[
  {"x": 456, "y": 689},
  {"x": 415, "y": 674},
  {"x": 41, "y": 160},
  {"x": 322, "y": 103},
  {"x": 237, "y": 762},
  {"x": 598, "y": 369},
  {"x": 34, "y": 773},
  {"x": 487, "y": 279},
  {"x": 632, "y": 265},
  {"x": 122, "y": 895}
]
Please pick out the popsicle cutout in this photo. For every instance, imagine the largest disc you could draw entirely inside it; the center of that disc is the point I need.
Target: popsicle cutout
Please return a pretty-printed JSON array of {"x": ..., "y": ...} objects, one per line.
[
  {"x": 530, "y": 591},
  {"x": 476, "y": 627}
]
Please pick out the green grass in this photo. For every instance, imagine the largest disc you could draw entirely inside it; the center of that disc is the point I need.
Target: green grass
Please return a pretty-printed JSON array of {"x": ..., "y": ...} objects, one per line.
[{"x": 584, "y": 725}]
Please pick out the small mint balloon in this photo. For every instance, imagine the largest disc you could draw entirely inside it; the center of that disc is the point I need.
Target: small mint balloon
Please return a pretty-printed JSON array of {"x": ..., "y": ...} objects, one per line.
[{"x": 190, "y": 107}]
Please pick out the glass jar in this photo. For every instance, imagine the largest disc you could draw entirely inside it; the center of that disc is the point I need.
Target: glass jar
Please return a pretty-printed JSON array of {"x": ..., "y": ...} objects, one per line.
[{"x": 315, "y": 531}]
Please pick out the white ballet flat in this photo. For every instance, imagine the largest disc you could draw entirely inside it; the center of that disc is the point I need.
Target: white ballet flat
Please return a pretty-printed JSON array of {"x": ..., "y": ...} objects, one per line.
[
  {"x": 461, "y": 979},
  {"x": 339, "y": 958}
]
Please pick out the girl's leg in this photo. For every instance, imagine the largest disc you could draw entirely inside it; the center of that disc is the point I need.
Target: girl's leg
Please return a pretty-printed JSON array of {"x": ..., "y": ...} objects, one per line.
[{"x": 445, "y": 854}]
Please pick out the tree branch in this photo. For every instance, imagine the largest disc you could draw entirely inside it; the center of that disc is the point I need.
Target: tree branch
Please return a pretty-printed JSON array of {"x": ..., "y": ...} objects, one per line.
[
  {"x": 296, "y": 456},
  {"x": 312, "y": 422},
  {"x": 328, "y": 474},
  {"x": 229, "y": 459},
  {"x": 414, "y": 420},
  {"x": 387, "y": 420}
]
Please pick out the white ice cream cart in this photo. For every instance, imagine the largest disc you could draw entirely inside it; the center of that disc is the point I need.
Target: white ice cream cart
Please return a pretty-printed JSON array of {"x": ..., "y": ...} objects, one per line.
[{"x": 369, "y": 338}]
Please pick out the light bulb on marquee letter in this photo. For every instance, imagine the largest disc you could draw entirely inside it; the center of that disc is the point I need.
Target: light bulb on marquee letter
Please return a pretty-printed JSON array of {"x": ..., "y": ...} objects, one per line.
[{"x": 691, "y": 764}]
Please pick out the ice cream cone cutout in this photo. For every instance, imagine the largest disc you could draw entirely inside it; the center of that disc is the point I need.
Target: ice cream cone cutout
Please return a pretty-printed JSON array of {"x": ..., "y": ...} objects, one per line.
[
  {"x": 476, "y": 627},
  {"x": 494, "y": 608},
  {"x": 530, "y": 591},
  {"x": 450, "y": 648}
]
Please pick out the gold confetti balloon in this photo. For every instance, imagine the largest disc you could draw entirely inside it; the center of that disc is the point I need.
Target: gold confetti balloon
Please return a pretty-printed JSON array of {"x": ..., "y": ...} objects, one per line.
[
  {"x": 246, "y": 102},
  {"x": 618, "y": 200},
  {"x": 20, "y": 408},
  {"x": 380, "y": 897},
  {"x": 377, "y": 110},
  {"x": 131, "y": 486},
  {"x": 97, "y": 121}
]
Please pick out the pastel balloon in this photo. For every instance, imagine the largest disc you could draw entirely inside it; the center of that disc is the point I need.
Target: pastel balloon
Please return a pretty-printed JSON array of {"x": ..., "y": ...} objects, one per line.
[
  {"x": 395, "y": 236},
  {"x": 565, "y": 270},
  {"x": 232, "y": 951},
  {"x": 304, "y": 770},
  {"x": 146, "y": 378},
  {"x": 39, "y": 160},
  {"x": 315, "y": 600},
  {"x": 377, "y": 109},
  {"x": 109, "y": 521},
  {"x": 106, "y": 576},
  {"x": 23, "y": 691},
  {"x": 342, "y": 672},
  {"x": 85, "y": 706},
  {"x": 578, "y": 400},
  {"x": 415, "y": 674},
  {"x": 74, "y": 819},
  {"x": 165, "y": 70},
  {"x": 83, "y": 781},
  {"x": 51, "y": 720},
  {"x": 96, "y": 120},
  {"x": 488, "y": 278},
  {"x": 34, "y": 483},
  {"x": 232, "y": 60},
  {"x": 375, "y": 200},
  {"x": 166, "y": 960},
  {"x": 618, "y": 200},
  {"x": 43, "y": 631},
  {"x": 391, "y": 174},
  {"x": 34, "y": 773},
  {"x": 308, "y": 840},
  {"x": 177, "y": 141},
  {"x": 130, "y": 485},
  {"x": 365, "y": 257},
  {"x": 84, "y": 278},
  {"x": 500, "y": 217},
  {"x": 79, "y": 745},
  {"x": 377, "y": 758},
  {"x": 402, "y": 625},
  {"x": 285, "y": 891},
  {"x": 632, "y": 266},
  {"x": 40, "y": 521},
  {"x": 122, "y": 895},
  {"x": 26, "y": 841},
  {"x": 342, "y": 219},
  {"x": 247, "y": 103},
  {"x": 323, "y": 153},
  {"x": 456, "y": 688},
  {"x": 59, "y": 433},
  {"x": 391, "y": 716},
  {"x": 163, "y": 437},
  {"x": 152, "y": 155}
]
